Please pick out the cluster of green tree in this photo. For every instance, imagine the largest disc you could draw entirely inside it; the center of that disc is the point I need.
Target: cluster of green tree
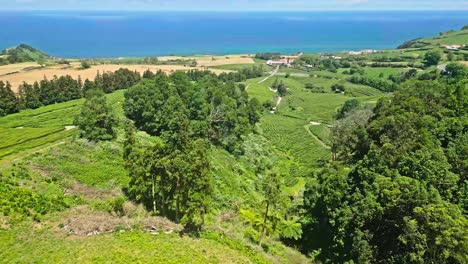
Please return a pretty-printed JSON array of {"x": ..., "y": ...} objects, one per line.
[
  {"x": 385, "y": 58},
  {"x": 452, "y": 68},
  {"x": 328, "y": 64},
  {"x": 355, "y": 70},
  {"x": 397, "y": 188},
  {"x": 172, "y": 177},
  {"x": 338, "y": 88},
  {"x": 46, "y": 92},
  {"x": 22, "y": 53},
  {"x": 280, "y": 87},
  {"x": 97, "y": 120},
  {"x": 8, "y": 101},
  {"x": 432, "y": 58},
  {"x": 62, "y": 89},
  {"x": 403, "y": 76},
  {"x": 456, "y": 56},
  {"x": 174, "y": 182},
  {"x": 85, "y": 65},
  {"x": 268, "y": 56},
  {"x": 377, "y": 83},
  {"x": 208, "y": 108},
  {"x": 196, "y": 75},
  {"x": 314, "y": 88},
  {"x": 243, "y": 74},
  {"x": 396, "y": 65}
]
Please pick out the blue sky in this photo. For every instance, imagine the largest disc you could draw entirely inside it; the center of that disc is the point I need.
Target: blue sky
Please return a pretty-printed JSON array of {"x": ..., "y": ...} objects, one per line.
[{"x": 233, "y": 5}]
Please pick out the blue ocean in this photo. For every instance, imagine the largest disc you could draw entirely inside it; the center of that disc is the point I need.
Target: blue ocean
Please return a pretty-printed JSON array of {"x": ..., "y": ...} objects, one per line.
[{"x": 128, "y": 34}]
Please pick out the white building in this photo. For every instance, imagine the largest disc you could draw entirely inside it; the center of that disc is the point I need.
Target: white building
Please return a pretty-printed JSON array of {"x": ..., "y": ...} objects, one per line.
[{"x": 285, "y": 61}]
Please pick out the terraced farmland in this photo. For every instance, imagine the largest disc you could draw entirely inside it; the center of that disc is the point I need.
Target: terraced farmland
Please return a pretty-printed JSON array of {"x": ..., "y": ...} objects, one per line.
[
  {"x": 32, "y": 130},
  {"x": 322, "y": 132},
  {"x": 289, "y": 135}
]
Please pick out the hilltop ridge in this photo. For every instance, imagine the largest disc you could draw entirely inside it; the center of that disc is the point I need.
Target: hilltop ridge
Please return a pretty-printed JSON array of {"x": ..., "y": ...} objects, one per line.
[
  {"x": 451, "y": 37},
  {"x": 22, "y": 53}
]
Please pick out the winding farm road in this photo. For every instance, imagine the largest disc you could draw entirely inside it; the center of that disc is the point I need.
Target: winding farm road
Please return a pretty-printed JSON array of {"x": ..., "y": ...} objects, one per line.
[{"x": 273, "y": 73}]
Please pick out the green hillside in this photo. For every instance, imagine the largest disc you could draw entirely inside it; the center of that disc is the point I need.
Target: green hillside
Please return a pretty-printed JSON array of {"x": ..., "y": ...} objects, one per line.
[
  {"x": 447, "y": 38},
  {"x": 357, "y": 159},
  {"x": 22, "y": 53},
  {"x": 53, "y": 179}
]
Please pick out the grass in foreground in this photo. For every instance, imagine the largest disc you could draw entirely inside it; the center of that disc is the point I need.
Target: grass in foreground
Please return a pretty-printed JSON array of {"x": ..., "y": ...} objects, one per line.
[{"x": 41, "y": 243}]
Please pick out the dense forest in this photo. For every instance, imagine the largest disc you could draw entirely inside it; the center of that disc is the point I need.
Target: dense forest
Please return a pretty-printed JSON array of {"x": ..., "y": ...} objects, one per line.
[
  {"x": 396, "y": 190},
  {"x": 186, "y": 116}
]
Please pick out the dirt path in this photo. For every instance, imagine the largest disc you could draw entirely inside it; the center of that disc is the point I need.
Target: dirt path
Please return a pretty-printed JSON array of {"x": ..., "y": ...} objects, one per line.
[
  {"x": 273, "y": 73},
  {"x": 278, "y": 101},
  {"x": 306, "y": 127}
]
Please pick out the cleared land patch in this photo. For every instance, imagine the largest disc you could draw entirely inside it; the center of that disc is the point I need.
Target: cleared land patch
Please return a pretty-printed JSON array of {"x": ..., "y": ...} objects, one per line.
[
  {"x": 12, "y": 68},
  {"x": 210, "y": 61}
]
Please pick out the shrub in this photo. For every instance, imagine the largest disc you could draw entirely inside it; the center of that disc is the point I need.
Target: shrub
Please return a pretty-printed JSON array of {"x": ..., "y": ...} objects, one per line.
[{"x": 85, "y": 65}]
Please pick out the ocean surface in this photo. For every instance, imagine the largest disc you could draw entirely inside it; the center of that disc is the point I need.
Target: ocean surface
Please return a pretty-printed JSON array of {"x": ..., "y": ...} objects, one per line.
[{"x": 128, "y": 34}]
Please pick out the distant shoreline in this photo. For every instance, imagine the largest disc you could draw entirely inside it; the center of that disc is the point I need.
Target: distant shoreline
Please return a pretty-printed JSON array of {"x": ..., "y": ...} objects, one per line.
[{"x": 114, "y": 34}]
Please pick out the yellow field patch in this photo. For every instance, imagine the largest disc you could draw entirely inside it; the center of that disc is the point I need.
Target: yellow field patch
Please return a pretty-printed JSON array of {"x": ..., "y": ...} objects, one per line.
[
  {"x": 6, "y": 69},
  {"x": 210, "y": 61},
  {"x": 61, "y": 70}
]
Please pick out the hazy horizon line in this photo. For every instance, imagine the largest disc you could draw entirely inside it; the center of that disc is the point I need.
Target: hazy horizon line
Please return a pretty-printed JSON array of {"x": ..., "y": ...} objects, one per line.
[{"x": 235, "y": 11}]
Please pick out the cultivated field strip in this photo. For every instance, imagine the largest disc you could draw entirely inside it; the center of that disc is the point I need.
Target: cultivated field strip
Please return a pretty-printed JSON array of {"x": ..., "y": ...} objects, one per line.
[{"x": 33, "y": 129}]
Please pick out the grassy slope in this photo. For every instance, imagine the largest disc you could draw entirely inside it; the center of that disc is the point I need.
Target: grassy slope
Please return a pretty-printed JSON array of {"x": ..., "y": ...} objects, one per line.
[
  {"x": 33, "y": 130},
  {"x": 92, "y": 174},
  {"x": 45, "y": 245},
  {"x": 24, "y": 53},
  {"x": 289, "y": 129},
  {"x": 99, "y": 170},
  {"x": 448, "y": 38}
]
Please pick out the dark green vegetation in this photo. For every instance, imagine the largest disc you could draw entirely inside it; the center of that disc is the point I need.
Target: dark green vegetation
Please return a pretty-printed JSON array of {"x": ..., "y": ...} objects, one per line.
[
  {"x": 268, "y": 56},
  {"x": 8, "y": 101},
  {"x": 397, "y": 186},
  {"x": 62, "y": 89},
  {"x": 22, "y": 53},
  {"x": 347, "y": 158},
  {"x": 96, "y": 120}
]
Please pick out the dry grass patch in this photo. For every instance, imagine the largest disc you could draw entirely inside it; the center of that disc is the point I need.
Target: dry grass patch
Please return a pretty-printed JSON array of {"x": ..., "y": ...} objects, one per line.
[
  {"x": 83, "y": 221},
  {"x": 210, "y": 61},
  {"x": 11, "y": 68},
  {"x": 82, "y": 190}
]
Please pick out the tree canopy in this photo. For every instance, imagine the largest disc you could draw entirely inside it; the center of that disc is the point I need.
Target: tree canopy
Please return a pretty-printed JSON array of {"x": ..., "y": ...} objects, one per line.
[
  {"x": 186, "y": 111},
  {"x": 396, "y": 191},
  {"x": 8, "y": 101},
  {"x": 97, "y": 120},
  {"x": 432, "y": 57}
]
